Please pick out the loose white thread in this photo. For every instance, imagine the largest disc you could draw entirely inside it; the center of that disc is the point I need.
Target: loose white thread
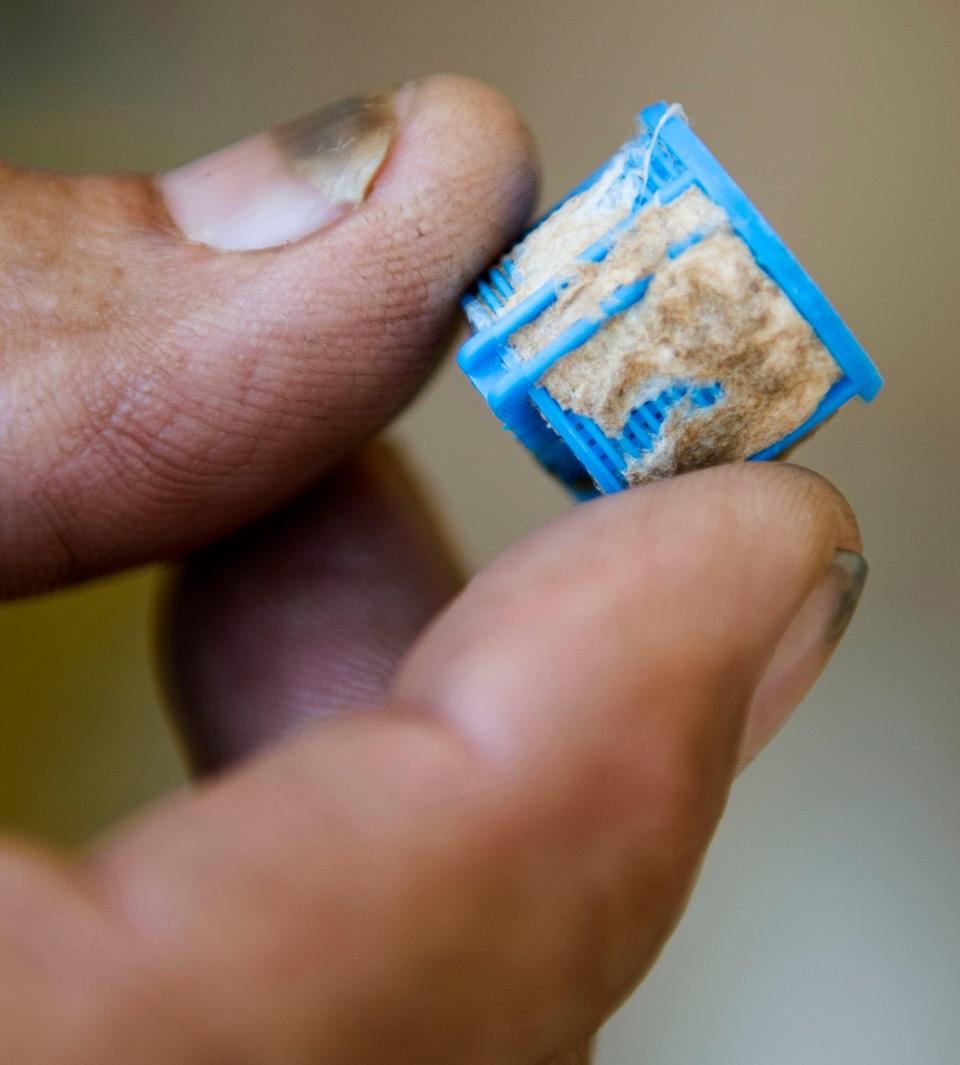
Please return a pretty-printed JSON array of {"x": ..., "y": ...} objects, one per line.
[{"x": 671, "y": 111}]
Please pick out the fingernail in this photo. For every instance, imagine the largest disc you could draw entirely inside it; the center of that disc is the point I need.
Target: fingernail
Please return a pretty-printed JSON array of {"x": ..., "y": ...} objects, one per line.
[
  {"x": 287, "y": 183},
  {"x": 804, "y": 650}
]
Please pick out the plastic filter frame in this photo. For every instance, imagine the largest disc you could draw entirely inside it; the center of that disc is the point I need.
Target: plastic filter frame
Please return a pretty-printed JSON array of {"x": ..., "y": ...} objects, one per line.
[{"x": 671, "y": 158}]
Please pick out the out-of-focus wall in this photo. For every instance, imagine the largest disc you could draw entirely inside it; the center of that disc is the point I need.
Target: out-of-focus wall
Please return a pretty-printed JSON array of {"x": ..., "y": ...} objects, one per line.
[{"x": 826, "y": 926}]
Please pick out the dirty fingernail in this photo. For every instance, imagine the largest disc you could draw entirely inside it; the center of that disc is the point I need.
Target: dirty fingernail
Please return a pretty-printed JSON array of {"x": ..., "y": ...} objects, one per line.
[
  {"x": 804, "y": 650},
  {"x": 849, "y": 574},
  {"x": 287, "y": 183}
]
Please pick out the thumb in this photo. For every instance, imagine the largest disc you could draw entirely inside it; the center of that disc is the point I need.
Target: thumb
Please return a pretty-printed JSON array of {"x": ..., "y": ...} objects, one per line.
[{"x": 179, "y": 355}]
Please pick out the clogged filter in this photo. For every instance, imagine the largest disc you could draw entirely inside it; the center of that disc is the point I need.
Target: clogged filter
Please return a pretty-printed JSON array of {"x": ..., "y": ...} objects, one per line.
[{"x": 653, "y": 322}]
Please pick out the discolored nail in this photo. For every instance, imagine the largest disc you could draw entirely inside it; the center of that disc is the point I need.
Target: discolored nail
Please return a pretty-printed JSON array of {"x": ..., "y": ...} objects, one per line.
[
  {"x": 804, "y": 649},
  {"x": 849, "y": 573},
  {"x": 280, "y": 186}
]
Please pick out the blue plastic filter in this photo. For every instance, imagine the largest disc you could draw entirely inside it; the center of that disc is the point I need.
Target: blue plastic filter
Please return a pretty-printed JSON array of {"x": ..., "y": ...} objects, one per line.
[{"x": 670, "y": 158}]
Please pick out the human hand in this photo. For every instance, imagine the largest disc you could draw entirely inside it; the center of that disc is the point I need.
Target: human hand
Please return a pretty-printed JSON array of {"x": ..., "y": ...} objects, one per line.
[{"x": 458, "y": 846}]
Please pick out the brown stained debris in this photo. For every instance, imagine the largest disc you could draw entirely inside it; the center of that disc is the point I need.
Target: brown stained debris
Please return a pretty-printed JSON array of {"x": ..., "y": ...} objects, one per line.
[
  {"x": 551, "y": 249},
  {"x": 711, "y": 316}
]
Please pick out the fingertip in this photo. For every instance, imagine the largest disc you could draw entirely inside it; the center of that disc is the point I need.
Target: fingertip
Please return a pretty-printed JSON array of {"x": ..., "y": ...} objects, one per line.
[
  {"x": 674, "y": 593},
  {"x": 745, "y": 506},
  {"x": 492, "y": 130},
  {"x": 837, "y": 511},
  {"x": 464, "y": 139},
  {"x": 301, "y": 178}
]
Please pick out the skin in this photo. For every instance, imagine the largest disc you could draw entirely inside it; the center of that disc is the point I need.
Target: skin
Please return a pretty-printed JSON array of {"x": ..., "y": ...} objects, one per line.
[{"x": 437, "y": 821}]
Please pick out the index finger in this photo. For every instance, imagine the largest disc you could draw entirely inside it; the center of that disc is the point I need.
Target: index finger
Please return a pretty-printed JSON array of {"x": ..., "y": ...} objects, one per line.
[{"x": 481, "y": 869}]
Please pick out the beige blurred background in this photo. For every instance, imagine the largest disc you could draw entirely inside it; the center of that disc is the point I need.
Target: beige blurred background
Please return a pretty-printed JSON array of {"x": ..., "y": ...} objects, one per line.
[{"x": 826, "y": 927}]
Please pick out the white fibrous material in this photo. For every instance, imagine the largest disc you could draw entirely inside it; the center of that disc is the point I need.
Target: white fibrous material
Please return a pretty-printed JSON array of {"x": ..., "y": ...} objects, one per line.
[{"x": 711, "y": 317}]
